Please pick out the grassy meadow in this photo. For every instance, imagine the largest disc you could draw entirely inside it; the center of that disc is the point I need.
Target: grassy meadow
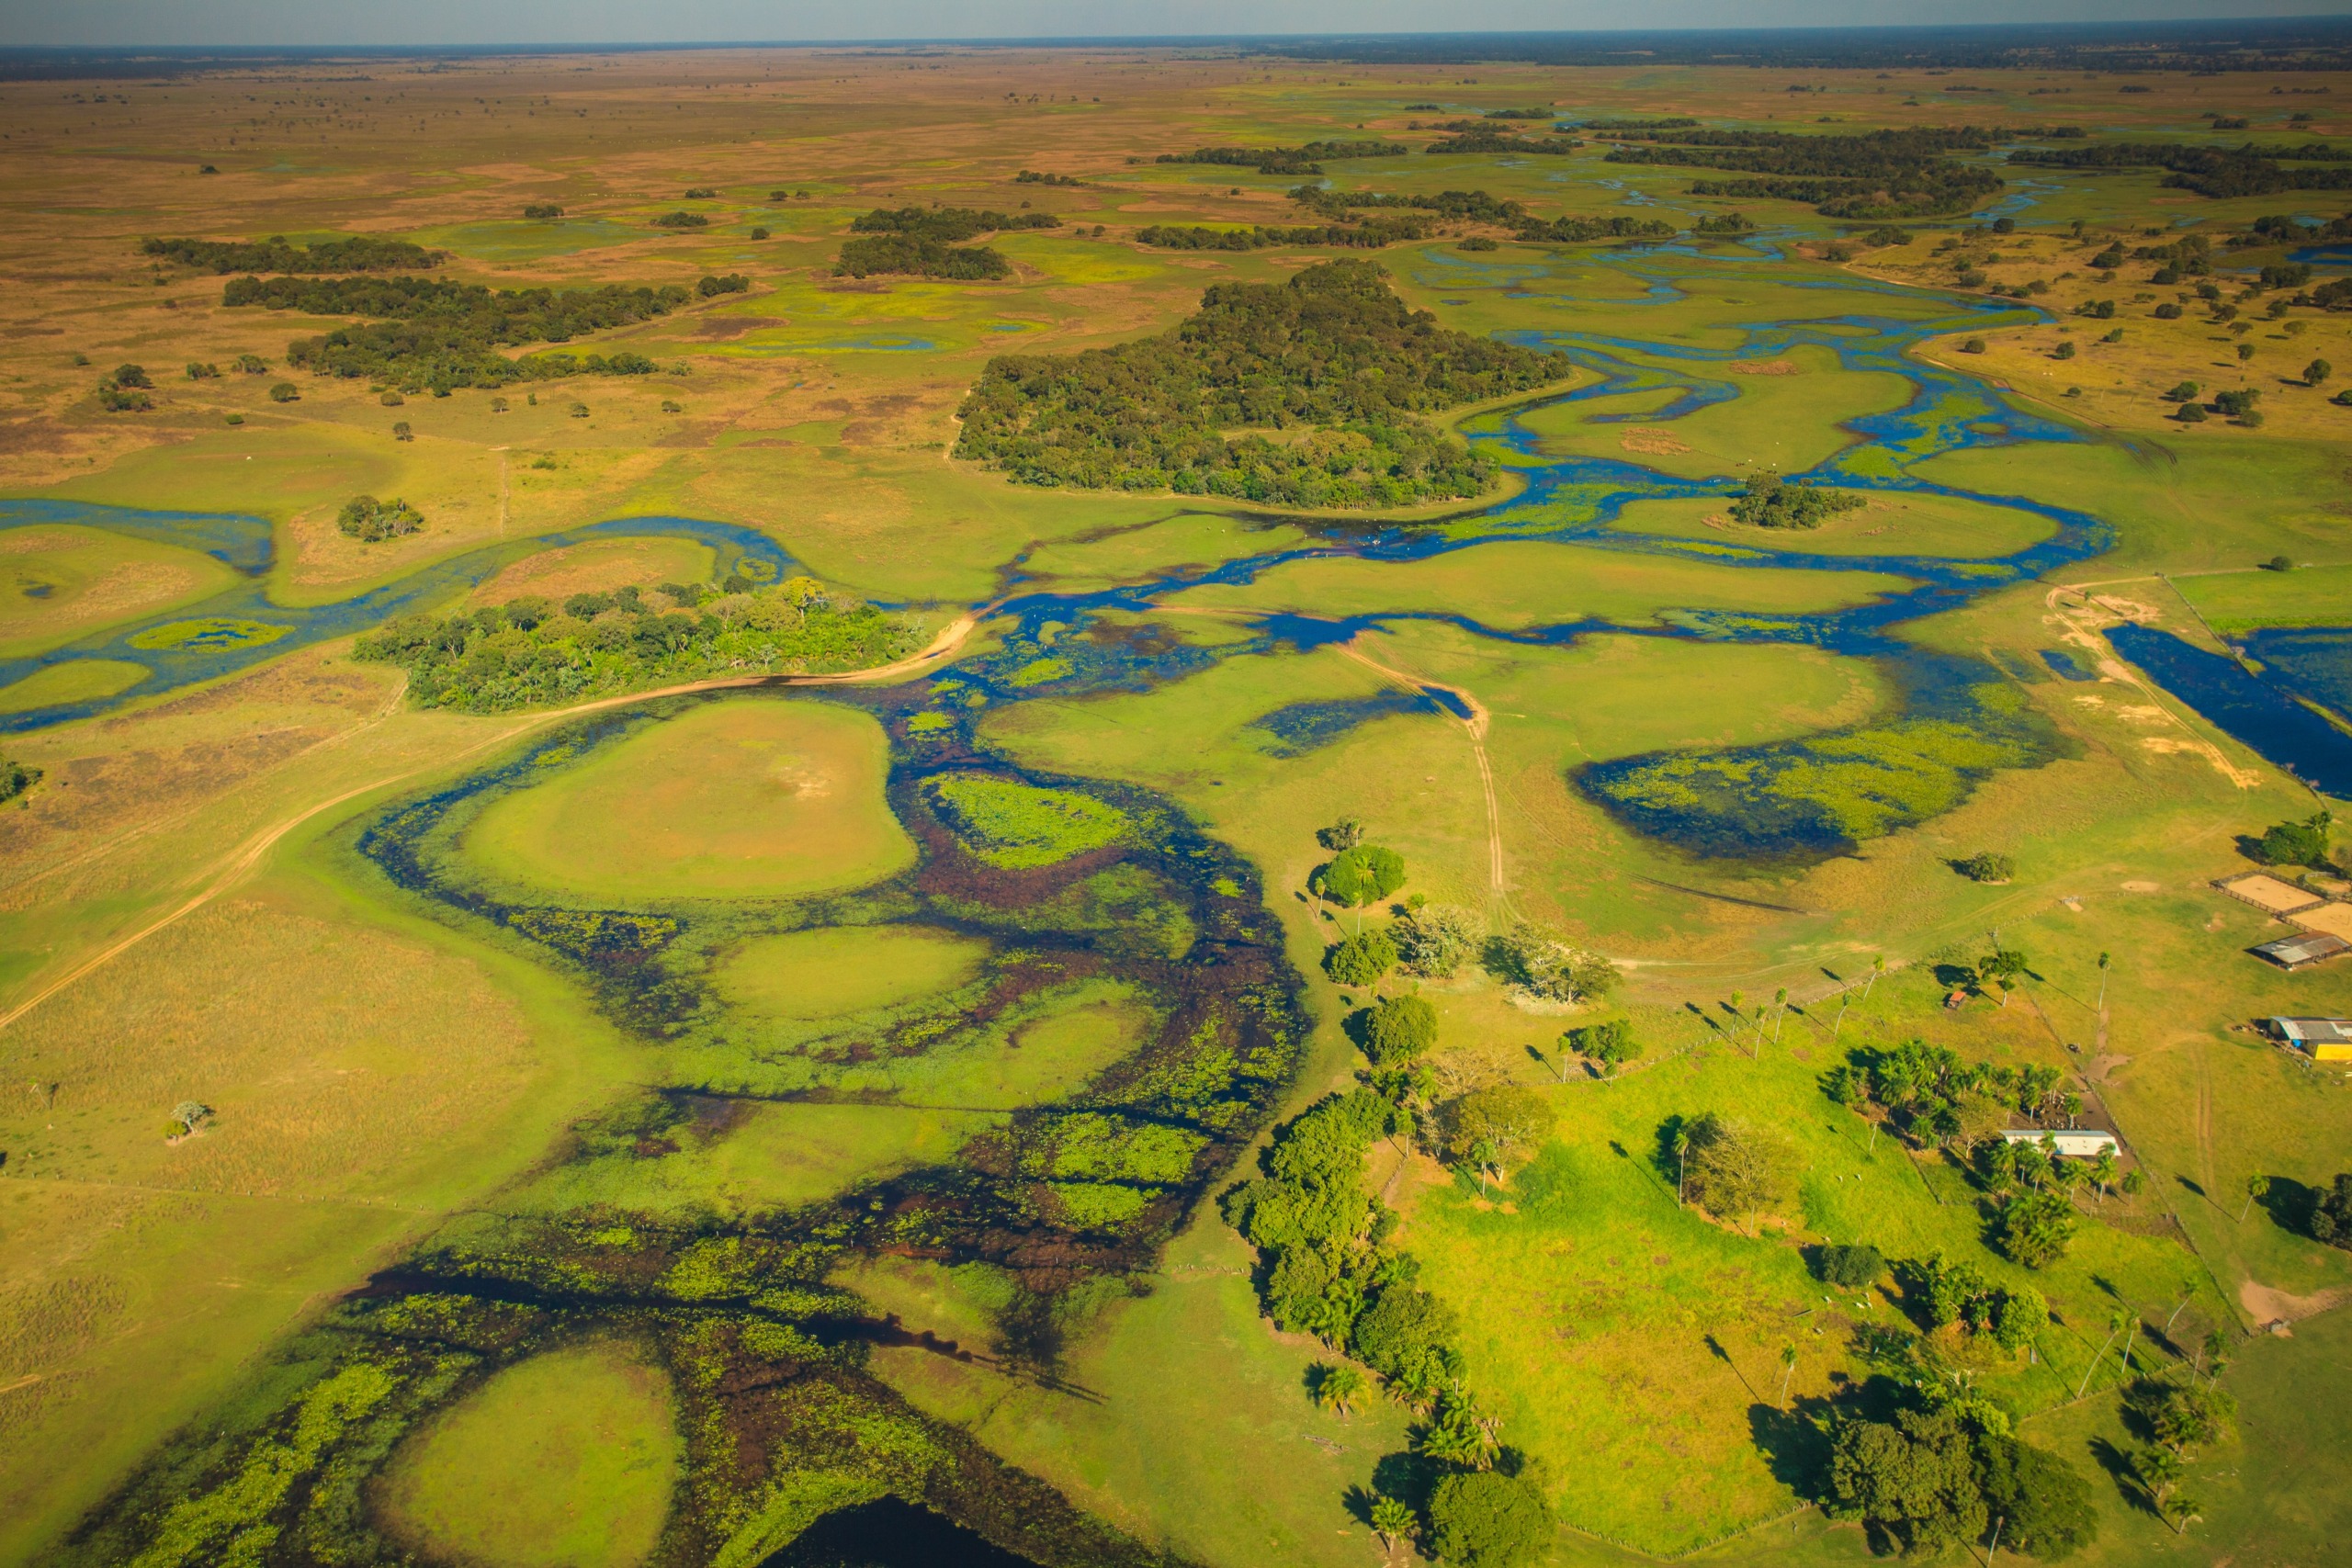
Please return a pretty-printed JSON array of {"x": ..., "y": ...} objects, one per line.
[{"x": 771, "y": 973}]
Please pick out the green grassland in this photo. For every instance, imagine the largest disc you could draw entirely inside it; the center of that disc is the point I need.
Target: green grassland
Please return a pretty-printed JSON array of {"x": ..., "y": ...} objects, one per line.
[
  {"x": 61, "y": 583},
  {"x": 751, "y": 797},
  {"x": 1786, "y": 422},
  {"x": 373, "y": 1072},
  {"x": 1513, "y": 585},
  {"x": 2239, "y": 601},
  {"x": 1888, "y": 524},
  {"x": 589, "y": 1486},
  {"x": 76, "y": 681}
]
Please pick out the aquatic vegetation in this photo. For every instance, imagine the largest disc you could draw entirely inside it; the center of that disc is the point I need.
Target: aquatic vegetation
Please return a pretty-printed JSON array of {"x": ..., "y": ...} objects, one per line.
[
  {"x": 214, "y": 632},
  {"x": 1018, "y": 825}
]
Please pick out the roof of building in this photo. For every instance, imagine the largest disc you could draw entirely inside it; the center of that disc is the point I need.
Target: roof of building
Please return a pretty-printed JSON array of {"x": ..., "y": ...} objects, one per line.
[
  {"x": 2315, "y": 1031},
  {"x": 2304, "y": 947}
]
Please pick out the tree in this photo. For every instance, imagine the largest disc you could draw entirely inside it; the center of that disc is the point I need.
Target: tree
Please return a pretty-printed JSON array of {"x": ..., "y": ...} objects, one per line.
[
  {"x": 2102, "y": 1172},
  {"x": 2255, "y": 1187},
  {"x": 1336, "y": 1389},
  {"x": 2063, "y": 351},
  {"x": 1986, "y": 867},
  {"x": 1487, "y": 1519},
  {"x": 2297, "y": 843},
  {"x": 2317, "y": 371},
  {"x": 1612, "y": 1044},
  {"x": 1360, "y": 960},
  {"x": 2021, "y": 1315},
  {"x": 1392, "y": 1520},
  {"x": 130, "y": 376},
  {"x": 2036, "y": 1228},
  {"x": 1404, "y": 1335},
  {"x": 1682, "y": 1165},
  {"x": 1788, "y": 1371},
  {"x": 1733, "y": 1171},
  {"x": 1489, "y": 1126},
  {"x": 2331, "y": 1215},
  {"x": 1400, "y": 1029},
  {"x": 2184, "y": 1418},
  {"x": 1851, "y": 1268},
  {"x": 2104, "y": 963},
  {"x": 1913, "y": 1479},
  {"x": 2158, "y": 1472},
  {"x": 2191, "y": 413},
  {"x": 1363, "y": 875},
  {"x": 285, "y": 392},
  {"x": 1999, "y": 968},
  {"x": 1436, "y": 940},
  {"x": 2043, "y": 1504},
  {"x": 1545, "y": 964},
  {"x": 371, "y": 521}
]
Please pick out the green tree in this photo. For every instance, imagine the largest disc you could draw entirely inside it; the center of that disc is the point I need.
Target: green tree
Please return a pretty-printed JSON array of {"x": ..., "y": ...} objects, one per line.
[
  {"x": 1851, "y": 1268},
  {"x": 1545, "y": 964},
  {"x": 285, "y": 392},
  {"x": 2331, "y": 1215},
  {"x": 2298, "y": 843},
  {"x": 1913, "y": 1479},
  {"x": 2021, "y": 1315},
  {"x": 2257, "y": 1187},
  {"x": 1732, "y": 1169},
  {"x": 2317, "y": 371},
  {"x": 1344, "y": 834},
  {"x": 1487, "y": 1519},
  {"x": 1392, "y": 1520},
  {"x": 1788, "y": 1371},
  {"x": 1436, "y": 940},
  {"x": 1360, "y": 960},
  {"x": 1399, "y": 1030},
  {"x": 1339, "y": 1389},
  {"x": 1489, "y": 1126},
  {"x": 1361, "y": 877},
  {"x": 1612, "y": 1044},
  {"x": 2044, "y": 1504},
  {"x": 2102, "y": 1172},
  {"x": 2036, "y": 1228}
]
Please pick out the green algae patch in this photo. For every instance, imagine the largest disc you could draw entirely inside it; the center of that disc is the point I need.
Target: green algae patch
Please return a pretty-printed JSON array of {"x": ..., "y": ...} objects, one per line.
[{"x": 1017, "y": 826}]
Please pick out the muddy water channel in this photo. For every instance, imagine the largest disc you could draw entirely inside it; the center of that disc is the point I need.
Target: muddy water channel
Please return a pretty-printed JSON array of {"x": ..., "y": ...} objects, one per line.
[{"x": 1059, "y": 1185}]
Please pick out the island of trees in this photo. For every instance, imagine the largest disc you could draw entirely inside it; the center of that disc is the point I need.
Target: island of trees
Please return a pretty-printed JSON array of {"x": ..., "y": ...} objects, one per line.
[
  {"x": 922, "y": 241},
  {"x": 1870, "y": 174},
  {"x": 1157, "y": 414},
  {"x": 356, "y": 253}
]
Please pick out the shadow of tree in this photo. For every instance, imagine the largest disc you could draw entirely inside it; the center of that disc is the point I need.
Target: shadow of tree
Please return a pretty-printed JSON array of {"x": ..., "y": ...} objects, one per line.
[
  {"x": 1794, "y": 1443},
  {"x": 2290, "y": 1204}
]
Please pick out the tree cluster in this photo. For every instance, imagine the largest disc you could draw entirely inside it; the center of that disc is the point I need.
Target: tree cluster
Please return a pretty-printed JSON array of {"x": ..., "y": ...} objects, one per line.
[
  {"x": 1931, "y": 1096},
  {"x": 1434, "y": 940},
  {"x": 2305, "y": 843},
  {"x": 530, "y": 653},
  {"x": 1948, "y": 1292},
  {"x": 1939, "y": 1474},
  {"x": 1489, "y": 139},
  {"x": 1332, "y": 349},
  {"x": 1370, "y": 234},
  {"x": 1768, "y": 501},
  {"x": 16, "y": 778},
  {"x": 125, "y": 390},
  {"x": 1869, "y": 174},
  {"x": 1306, "y": 160},
  {"x": 921, "y": 241},
  {"x": 370, "y": 521},
  {"x": 429, "y": 332},
  {"x": 356, "y": 253},
  {"x": 1545, "y": 965},
  {"x": 2250, "y": 170}
]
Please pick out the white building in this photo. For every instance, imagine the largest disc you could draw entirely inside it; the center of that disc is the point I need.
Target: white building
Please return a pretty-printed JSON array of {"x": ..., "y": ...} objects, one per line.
[{"x": 2078, "y": 1143}]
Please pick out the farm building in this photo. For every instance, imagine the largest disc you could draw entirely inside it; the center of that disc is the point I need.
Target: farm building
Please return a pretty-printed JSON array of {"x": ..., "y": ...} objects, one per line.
[
  {"x": 2078, "y": 1143},
  {"x": 2324, "y": 1038},
  {"x": 2303, "y": 950}
]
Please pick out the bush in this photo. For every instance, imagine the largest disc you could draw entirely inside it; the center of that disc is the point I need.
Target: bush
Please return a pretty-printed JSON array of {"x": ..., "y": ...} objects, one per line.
[
  {"x": 2168, "y": 313},
  {"x": 2036, "y": 1228},
  {"x": 1360, "y": 960},
  {"x": 759, "y": 233},
  {"x": 129, "y": 376},
  {"x": 1611, "y": 1043},
  {"x": 1402, "y": 1333},
  {"x": 1973, "y": 345},
  {"x": 2063, "y": 351},
  {"x": 1400, "y": 1029},
  {"x": 201, "y": 370},
  {"x": 400, "y": 431},
  {"x": 681, "y": 221},
  {"x": 1487, "y": 1519},
  {"x": 2190, "y": 413},
  {"x": 370, "y": 521},
  {"x": 542, "y": 210},
  {"x": 713, "y": 285},
  {"x": 285, "y": 392},
  {"x": 1986, "y": 867},
  {"x": 1476, "y": 243},
  {"x": 1848, "y": 1267}
]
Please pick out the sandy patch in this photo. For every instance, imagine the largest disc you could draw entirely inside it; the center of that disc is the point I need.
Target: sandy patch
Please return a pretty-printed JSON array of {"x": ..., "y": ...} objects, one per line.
[
  {"x": 2272, "y": 1308},
  {"x": 1766, "y": 367},
  {"x": 1651, "y": 441}
]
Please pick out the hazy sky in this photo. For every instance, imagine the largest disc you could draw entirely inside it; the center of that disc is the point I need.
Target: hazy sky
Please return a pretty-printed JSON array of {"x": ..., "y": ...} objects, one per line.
[{"x": 202, "y": 22}]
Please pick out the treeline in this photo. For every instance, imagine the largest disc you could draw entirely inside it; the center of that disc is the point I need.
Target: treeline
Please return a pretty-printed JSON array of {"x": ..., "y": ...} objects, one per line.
[
  {"x": 358, "y": 253},
  {"x": 1871, "y": 175},
  {"x": 531, "y": 652},
  {"x": 1492, "y": 139},
  {"x": 1478, "y": 206},
  {"x": 1331, "y": 349},
  {"x": 920, "y": 241},
  {"x": 2250, "y": 170},
  {"x": 1575, "y": 231},
  {"x": 1369, "y": 236},
  {"x": 1306, "y": 160},
  {"x": 431, "y": 332}
]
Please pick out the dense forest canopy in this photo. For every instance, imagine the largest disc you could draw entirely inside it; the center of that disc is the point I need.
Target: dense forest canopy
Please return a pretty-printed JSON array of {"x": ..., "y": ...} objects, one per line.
[
  {"x": 431, "y": 333},
  {"x": 357, "y": 253},
  {"x": 1332, "y": 351},
  {"x": 2219, "y": 172},
  {"x": 920, "y": 240},
  {"x": 1306, "y": 160}
]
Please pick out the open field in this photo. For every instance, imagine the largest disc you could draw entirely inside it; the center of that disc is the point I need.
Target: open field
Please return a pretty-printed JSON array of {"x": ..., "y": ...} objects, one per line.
[
  {"x": 738, "y": 1107},
  {"x": 752, "y": 797}
]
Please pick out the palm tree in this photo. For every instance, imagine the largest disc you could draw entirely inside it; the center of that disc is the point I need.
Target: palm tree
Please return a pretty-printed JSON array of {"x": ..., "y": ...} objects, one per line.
[
  {"x": 1788, "y": 1371},
  {"x": 1681, "y": 1164},
  {"x": 2115, "y": 1321},
  {"x": 1878, "y": 968},
  {"x": 2255, "y": 1187},
  {"x": 1392, "y": 1519},
  {"x": 1780, "y": 1001},
  {"x": 2103, "y": 960},
  {"x": 2103, "y": 1172},
  {"x": 1736, "y": 997},
  {"x": 1339, "y": 1389}
]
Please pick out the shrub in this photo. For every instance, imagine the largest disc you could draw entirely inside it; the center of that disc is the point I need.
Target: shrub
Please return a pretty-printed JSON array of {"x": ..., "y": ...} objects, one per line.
[
  {"x": 681, "y": 221},
  {"x": 16, "y": 778},
  {"x": 759, "y": 233},
  {"x": 2168, "y": 313},
  {"x": 201, "y": 370},
  {"x": 1360, "y": 960},
  {"x": 252, "y": 365},
  {"x": 2191, "y": 413},
  {"x": 701, "y": 193},
  {"x": 1973, "y": 345},
  {"x": 285, "y": 392},
  {"x": 392, "y": 400},
  {"x": 2297, "y": 843},
  {"x": 1400, "y": 1029},
  {"x": 1986, "y": 867},
  {"x": 2036, "y": 1228},
  {"x": 2063, "y": 351},
  {"x": 1487, "y": 1519},
  {"x": 542, "y": 210},
  {"x": 400, "y": 431},
  {"x": 715, "y": 284}
]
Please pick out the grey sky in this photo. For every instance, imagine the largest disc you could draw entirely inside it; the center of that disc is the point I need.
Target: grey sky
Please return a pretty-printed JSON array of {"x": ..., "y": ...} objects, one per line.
[{"x": 306, "y": 22}]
